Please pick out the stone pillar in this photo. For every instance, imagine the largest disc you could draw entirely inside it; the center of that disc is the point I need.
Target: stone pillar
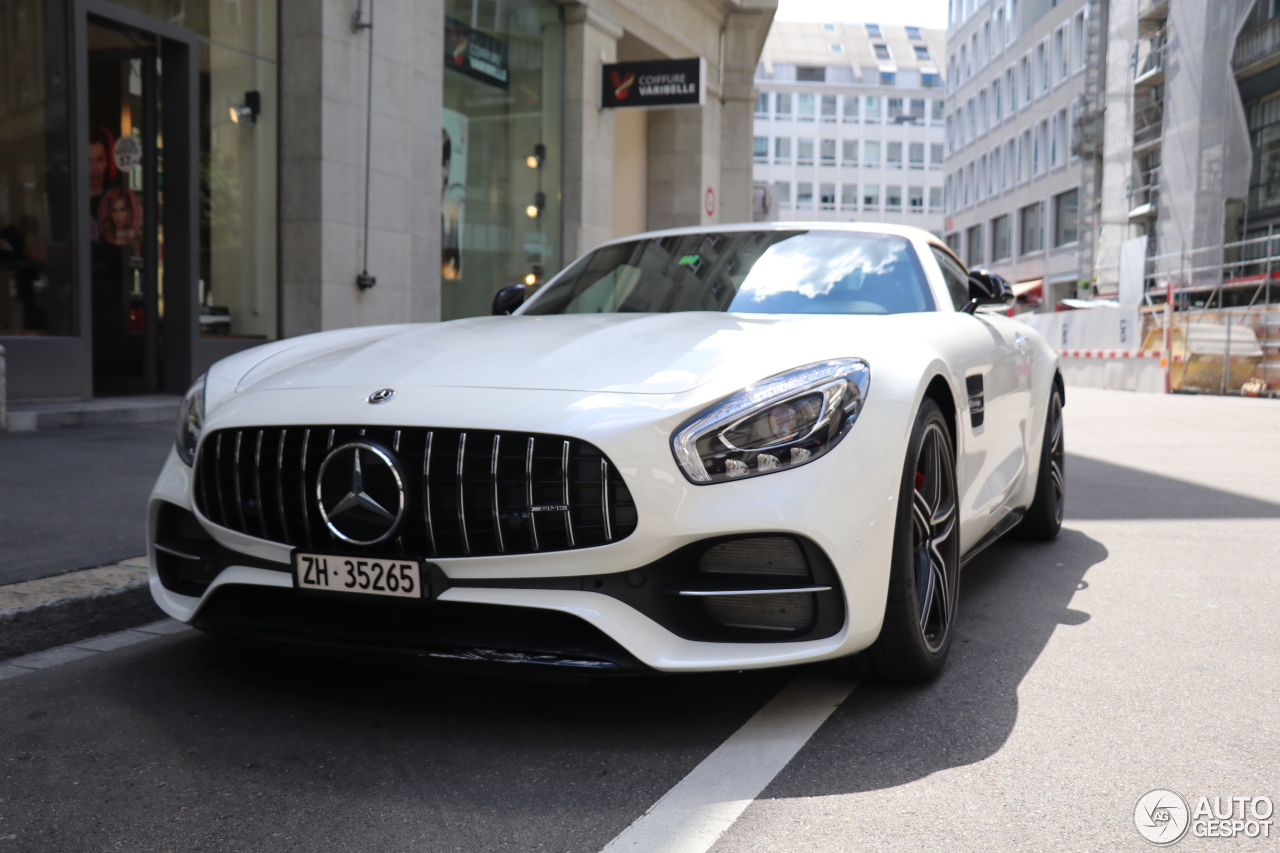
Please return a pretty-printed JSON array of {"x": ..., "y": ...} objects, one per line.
[
  {"x": 324, "y": 107},
  {"x": 742, "y": 40},
  {"x": 590, "y": 39}
]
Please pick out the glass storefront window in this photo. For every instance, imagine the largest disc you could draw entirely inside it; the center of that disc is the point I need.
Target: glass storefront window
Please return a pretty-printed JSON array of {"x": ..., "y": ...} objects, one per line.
[
  {"x": 238, "y": 186},
  {"x": 35, "y": 174},
  {"x": 500, "y": 150}
]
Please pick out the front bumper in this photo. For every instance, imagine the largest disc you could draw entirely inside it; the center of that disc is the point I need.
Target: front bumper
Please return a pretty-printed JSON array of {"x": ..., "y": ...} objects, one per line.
[{"x": 843, "y": 504}]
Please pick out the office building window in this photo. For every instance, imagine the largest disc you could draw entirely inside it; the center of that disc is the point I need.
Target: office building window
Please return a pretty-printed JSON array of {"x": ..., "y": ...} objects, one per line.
[
  {"x": 893, "y": 155},
  {"x": 829, "y": 104},
  {"x": 917, "y": 109},
  {"x": 837, "y": 48},
  {"x": 870, "y": 196},
  {"x": 782, "y": 149},
  {"x": 993, "y": 175},
  {"x": 804, "y": 195},
  {"x": 915, "y": 155},
  {"x": 1024, "y": 73},
  {"x": 997, "y": 103},
  {"x": 811, "y": 73},
  {"x": 873, "y": 111},
  {"x": 782, "y": 192},
  {"x": 849, "y": 152},
  {"x": 1054, "y": 147},
  {"x": 935, "y": 154},
  {"x": 1000, "y": 249},
  {"x": 953, "y": 242},
  {"x": 760, "y": 146},
  {"x": 1042, "y": 65},
  {"x": 871, "y": 153},
  {"x": 894, "y": 109},
  {"x": 928, "y": 80},
  {"x": 1031, "y": 226},
  {"x": 782, "y": 105},
  {"x": 848, "y": 196},
  {"x": 921, "y": 51},
  {"x": 915, "y": 199},
  {"x": 1065, "y": 218},
  {"x": 888, "y": 78},
  {"x": 939, "y": 109},
  {"x": 935, "y": 199},
  {"x": 850, "y": 108},
  {"x": 980, "y": 191},
  {"x": 827, "y": 149},
  {"x": 762, "y": 104},
  {"x": 804, "y": 152},
  {"x": 804, "y": 107},
  {"x": 1077, "y": 41},
  {"x": 999, "y": 27},
  {"x": 913, "y": 33},
  {"x": 873, "y": 31},
  {"x": 881, "y": 51},
  {"x": 893, "y": 197},
  {"x": 827, "y": 196},
  {"x": 982, "y": 111},
  {"x": 973, "y": 245},
  {"x": 1059, "y": 55}
]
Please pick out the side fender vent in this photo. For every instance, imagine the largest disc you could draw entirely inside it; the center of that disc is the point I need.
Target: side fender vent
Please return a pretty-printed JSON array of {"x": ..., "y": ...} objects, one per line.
[{"x": 977, "y": 399}]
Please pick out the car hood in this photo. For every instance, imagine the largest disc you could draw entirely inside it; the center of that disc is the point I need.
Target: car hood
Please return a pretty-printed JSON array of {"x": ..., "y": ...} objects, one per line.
[{"x": 615, "y": 353}]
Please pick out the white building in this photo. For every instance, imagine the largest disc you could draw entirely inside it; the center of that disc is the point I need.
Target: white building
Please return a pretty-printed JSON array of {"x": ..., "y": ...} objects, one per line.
[
  {"x": 849, "y": 124},
  {"x": 1016, "y": 74}
]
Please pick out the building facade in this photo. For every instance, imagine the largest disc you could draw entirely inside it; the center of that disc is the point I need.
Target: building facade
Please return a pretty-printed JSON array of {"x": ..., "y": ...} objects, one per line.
[
  {"x": 849, "y": 124},
  {"x": 184, "y": 179},
  {"x": 1016, "y": 77}
]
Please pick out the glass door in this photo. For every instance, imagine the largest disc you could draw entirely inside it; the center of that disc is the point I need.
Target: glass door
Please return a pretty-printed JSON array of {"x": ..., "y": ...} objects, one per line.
[{"x": 126, "y": 242}]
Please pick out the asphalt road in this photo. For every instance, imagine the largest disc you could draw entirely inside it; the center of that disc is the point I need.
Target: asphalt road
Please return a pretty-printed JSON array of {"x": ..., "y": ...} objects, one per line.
[
  {"x": 1137, "y": 651},
  {"x": 70, "y": 499}
]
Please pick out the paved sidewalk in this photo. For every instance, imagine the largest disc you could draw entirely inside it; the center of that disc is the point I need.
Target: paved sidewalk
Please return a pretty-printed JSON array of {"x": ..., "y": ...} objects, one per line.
[
  {"x": 75, "y": 498},
  {"x": 39, "y": 614}
]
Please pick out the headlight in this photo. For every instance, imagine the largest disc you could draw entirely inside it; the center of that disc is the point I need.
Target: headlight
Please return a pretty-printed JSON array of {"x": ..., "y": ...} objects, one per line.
[
  {"x": 191, "y": 421},
  {"x": 778, "y": 423}
]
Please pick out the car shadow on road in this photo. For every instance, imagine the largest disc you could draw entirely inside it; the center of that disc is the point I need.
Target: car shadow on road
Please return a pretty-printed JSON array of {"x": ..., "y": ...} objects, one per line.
[
  {"x": 1013, "y": 598},
  {"x": 1100, "y": 490}
]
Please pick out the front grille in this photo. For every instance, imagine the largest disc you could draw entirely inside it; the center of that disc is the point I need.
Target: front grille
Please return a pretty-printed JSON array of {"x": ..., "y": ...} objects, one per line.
[{"x": 468, "y": 493}]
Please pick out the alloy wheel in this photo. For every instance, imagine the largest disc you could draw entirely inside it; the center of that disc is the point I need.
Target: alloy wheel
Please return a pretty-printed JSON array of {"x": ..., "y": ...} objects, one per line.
[
  {"x": 1057, "y": 457},
  {"x": 934, "y": 532}
]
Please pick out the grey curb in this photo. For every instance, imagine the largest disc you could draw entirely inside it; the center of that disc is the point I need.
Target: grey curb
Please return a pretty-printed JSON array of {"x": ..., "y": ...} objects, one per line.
[{"x": 57, "y": 619}]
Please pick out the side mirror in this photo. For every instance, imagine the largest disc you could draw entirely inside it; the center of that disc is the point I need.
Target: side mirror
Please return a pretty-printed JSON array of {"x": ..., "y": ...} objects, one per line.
[
  {"x": 987, "y": 288},
  {"x": 508, "y": 299}
]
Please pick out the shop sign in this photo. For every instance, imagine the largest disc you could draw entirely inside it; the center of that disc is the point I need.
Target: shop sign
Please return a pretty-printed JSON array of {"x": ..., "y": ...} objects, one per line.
[
  {"x": 476, "y": 54},
  {"x": 656, "y": 83}
]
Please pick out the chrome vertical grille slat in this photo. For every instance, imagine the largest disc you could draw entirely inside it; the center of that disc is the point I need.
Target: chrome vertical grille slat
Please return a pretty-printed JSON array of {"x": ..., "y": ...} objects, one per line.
[
  {"x": 235, "y": 475},
  {"x": 302, "y": 485},
  {"x": 462, "y": 494},
  {"x": 257, "y": 485},
  {"x": 564, "y": 478},
  {"x": 497, "y": 506},
  {"x": 426, "y": 494},
  {"x": 528, "y": 494},
  {"x": 457, "y": 507},
  {"x": 284, "y": 519}
]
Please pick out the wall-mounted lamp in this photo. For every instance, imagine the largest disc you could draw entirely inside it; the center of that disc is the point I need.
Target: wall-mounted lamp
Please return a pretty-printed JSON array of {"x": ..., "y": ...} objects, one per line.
[
  {"x": 534, "y": 210},
  {"x": 534, "y": 160},
  {"x": 247, "y": 113}
]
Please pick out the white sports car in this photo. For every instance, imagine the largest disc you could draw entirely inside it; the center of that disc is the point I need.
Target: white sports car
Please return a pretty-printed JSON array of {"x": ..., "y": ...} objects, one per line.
[{"x": 698, "y": 449}]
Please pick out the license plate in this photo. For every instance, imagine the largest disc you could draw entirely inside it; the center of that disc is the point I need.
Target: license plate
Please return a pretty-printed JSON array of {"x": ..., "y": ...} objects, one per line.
[{"x": 330, "y": 573}]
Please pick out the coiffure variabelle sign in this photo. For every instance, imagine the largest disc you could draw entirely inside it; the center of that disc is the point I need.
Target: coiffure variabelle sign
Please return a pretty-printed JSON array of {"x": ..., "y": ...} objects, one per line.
[{"x": 654, "y": 83}]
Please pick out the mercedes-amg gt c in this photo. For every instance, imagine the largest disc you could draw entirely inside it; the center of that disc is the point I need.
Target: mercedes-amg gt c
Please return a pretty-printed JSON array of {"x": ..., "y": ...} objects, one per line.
[{"x": 698, "y": 449}]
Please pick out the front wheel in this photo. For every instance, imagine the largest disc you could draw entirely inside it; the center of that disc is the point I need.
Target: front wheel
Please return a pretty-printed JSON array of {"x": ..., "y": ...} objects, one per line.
[{"x": 924, "y": 578}]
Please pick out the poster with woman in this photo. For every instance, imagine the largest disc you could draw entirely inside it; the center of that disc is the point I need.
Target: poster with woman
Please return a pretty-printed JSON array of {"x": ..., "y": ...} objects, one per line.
[
  {"x": 453, "y": 193},
  {"x": 120, "y": 216}
]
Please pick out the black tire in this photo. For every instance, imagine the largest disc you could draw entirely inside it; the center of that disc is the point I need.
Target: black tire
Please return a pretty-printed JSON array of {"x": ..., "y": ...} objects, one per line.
[
  {"x": 925, "y": 573},
  {"x": 1044, "y": 517}
]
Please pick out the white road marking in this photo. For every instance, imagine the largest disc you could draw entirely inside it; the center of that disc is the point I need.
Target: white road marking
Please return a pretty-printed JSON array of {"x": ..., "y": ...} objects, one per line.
[{"x": 692, "y": 815}]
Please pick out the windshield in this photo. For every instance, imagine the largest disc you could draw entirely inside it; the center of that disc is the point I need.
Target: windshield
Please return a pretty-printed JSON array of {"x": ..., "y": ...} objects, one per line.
[{"x": 749, "y": 272}]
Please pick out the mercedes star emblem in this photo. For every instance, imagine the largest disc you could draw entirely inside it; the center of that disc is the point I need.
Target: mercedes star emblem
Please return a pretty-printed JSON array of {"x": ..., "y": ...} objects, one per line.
[
  {"x": 382, "y": 396},
  {"x": 360, "y": 493}
]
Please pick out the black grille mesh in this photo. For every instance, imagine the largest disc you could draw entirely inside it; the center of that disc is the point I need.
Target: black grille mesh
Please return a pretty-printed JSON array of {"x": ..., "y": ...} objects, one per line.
[{"x": 262, "y": 482}]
